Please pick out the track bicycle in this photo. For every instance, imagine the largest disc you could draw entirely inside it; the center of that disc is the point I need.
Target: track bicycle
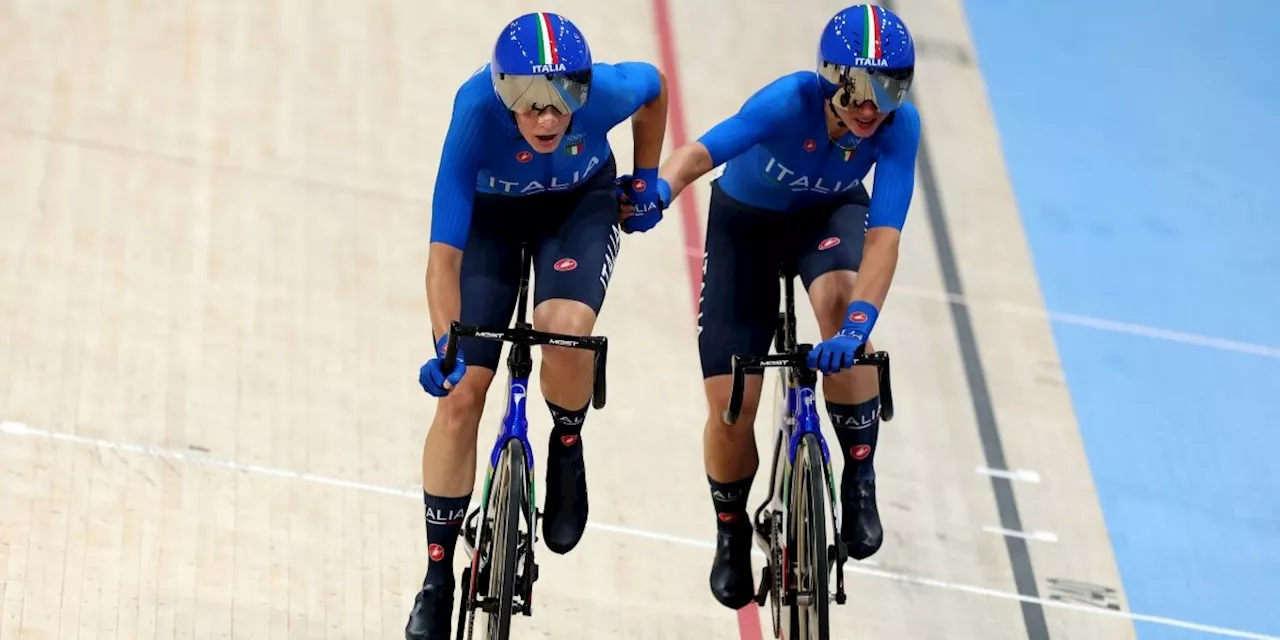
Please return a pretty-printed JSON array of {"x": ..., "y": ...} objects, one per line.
[
  {"x": 790, "y": 525},
  {"x": 500, "y": 534}
]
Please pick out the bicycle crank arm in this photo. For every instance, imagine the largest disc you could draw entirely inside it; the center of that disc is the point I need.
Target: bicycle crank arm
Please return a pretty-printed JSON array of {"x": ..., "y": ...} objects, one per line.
[
  {"x": 470, "y": 530},
  {"x": 762, "y": 529},
  {"x": 839, "y": 596},
  {"x": 766, "y": 580}
]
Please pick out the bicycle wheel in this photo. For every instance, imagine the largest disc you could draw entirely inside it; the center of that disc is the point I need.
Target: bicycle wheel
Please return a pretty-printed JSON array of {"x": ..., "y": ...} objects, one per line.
[
  {"x": 807, "y": 539},
  {"x": 507, "y": 495}
]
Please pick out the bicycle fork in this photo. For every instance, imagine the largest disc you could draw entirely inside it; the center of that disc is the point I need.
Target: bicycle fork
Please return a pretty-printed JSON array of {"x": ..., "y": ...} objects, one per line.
[
  {"x": 515, "y": 426},
  {"x": 798, "y": 418}
]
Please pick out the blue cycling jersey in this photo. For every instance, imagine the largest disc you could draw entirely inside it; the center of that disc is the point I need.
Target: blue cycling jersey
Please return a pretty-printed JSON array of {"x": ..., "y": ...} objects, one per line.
[
  {"x": 780, "y": 156},
  {"x": 485, "y": 153}
]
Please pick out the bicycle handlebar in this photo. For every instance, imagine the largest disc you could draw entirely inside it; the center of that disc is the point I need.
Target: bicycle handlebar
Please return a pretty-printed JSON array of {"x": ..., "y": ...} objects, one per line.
[
  {"x": 797, "y": 360},
  {"x": 531, "y": 337}
]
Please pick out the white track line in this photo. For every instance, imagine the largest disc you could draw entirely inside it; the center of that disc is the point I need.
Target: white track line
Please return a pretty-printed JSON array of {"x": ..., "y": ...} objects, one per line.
[
  {"x": 23, "y": 430},
  {"x": 1102, "y": 324},
  {"x": 1043, "y": 536},
  {"x": 1025, "y": 475}
]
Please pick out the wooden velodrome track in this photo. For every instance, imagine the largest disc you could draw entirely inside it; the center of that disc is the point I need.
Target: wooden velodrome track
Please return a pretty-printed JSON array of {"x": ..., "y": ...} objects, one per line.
[{"x": 213, "y": 225}]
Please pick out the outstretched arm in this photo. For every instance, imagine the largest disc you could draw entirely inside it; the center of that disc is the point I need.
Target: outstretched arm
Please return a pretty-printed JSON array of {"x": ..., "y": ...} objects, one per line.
[
  {"x": 756, "y": 120},
  {"x": 891, "y": 197},
  {"x": 894, "y": 187},
  {"x": 879, "y": 261},
  {"x": 685, "y": 166},
  {"x": 451, "y": 212}
]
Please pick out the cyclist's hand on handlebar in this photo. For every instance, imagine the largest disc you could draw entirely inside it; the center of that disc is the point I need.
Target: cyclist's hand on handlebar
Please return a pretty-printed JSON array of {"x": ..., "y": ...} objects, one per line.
[
  {"x": 432, "y": 377},
  {"x": 840, "y": 351}
]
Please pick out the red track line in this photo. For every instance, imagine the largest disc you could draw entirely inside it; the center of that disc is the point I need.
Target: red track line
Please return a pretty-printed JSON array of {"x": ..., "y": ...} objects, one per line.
[
  {"x": 748, "y": 616},
  {"x": 676, "y": 133}
]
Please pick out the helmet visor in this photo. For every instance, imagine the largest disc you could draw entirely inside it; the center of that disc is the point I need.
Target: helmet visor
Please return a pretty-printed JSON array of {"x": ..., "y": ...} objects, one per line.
[
  {"x": 886, "y": 88},
  {"x": 567, "y": 92}
]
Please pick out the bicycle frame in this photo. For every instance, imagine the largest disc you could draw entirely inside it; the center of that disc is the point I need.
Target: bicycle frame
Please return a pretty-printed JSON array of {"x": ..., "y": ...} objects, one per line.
[
  {"x": 515, "y": 423},
  {"x": 799, "y": 417}
]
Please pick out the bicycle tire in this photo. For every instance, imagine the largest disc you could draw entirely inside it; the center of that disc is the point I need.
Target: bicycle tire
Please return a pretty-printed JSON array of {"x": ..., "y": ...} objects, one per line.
[
  {"x": 808, "y": 538},
  {"x": 508, "y": 495}
]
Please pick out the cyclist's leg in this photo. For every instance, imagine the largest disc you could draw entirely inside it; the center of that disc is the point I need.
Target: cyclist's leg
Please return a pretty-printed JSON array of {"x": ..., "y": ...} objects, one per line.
[
  {"x": 737, "y": 314},
  {"x": 573, "y": 263},
  {"x": 489, "y": 285},
  {"x": 829, "y": 250},
  {"x": 489, "y": 282}
]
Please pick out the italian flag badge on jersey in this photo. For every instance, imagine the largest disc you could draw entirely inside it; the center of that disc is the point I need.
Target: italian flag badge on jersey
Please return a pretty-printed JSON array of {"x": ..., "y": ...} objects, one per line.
[
  {"x": 573, "y": 148},
  {"x": 848, "y": 154}
]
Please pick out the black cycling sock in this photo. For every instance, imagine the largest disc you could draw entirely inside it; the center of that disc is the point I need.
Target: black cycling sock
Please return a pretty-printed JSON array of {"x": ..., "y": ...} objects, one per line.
[
  {"x": 857, "y": 428},
  {"x": 444, "y": 517},
  {"x": 567, "y": 425},
  {"x": 730, "y": 500}
]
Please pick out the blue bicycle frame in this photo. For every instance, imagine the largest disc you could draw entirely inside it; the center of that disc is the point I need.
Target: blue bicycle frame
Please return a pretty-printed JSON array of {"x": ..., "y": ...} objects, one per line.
[
  {"x": 798, "y": 419},
  {"x": 515, "y": 426},
  {"x": 801, "y": 405}
]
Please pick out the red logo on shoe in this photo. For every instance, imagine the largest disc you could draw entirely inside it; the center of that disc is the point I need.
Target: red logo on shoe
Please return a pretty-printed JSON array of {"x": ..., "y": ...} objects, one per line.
[
  {"x": 728, "y": 518},
  {"x": 638, "y": 185},
  {"x": 860, "y": 452},
  {"x": 436, "y": 552},
  {"x": 857, "y": 316},
  {"x": 810, "y": 145},
  {"x": 566, "y": 264},
  {"x": 524, "y": 156},
  {"x": 568, "y": 441},
  {"x": 828, "y": 243}
]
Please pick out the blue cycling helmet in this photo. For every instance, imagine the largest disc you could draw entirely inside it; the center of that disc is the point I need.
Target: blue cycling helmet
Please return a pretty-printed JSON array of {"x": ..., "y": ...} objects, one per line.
[
  {"x": 541, "y": 60},
  {"x": 866, "y": 53}
]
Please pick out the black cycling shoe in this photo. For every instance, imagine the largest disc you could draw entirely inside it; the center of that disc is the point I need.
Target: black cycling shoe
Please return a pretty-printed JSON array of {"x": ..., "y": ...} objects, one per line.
[
  {"x": 862, "y": 533},
  {"x": 731, "y": 580},
  {"x": 432, "y": 615},
  {"x": 565, "y": 506}
]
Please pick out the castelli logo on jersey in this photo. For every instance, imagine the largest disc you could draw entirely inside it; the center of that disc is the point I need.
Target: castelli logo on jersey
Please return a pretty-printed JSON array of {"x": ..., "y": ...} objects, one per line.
[
  {"x": 524, "y": 156},
  {"x": 728, "y": 518},
  {"x": 810, "y": 145},
  {"x": 568, "y": 440},
  {"x": 566, "y": 264},
  {"x": 828, "y": 243},
  {"x": 860, "y": 452},
  {"x": 436, "y": 551},
  {"x": 638, "y": 184},
  {"x": 857, "y": 316}
]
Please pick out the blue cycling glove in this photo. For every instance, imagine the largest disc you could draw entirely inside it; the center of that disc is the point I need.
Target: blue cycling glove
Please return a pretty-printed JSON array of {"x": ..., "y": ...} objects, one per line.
[
  {"x": 432, "y": 377},
  {"x": 649, "y": 194},
  {"x": 840, "y": 351}
]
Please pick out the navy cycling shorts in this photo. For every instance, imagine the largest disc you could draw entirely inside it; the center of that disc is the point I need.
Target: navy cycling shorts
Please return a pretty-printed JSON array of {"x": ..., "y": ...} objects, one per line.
[
  {"x": 747, "y": 247},
  {"x": 574, "y": 237}
]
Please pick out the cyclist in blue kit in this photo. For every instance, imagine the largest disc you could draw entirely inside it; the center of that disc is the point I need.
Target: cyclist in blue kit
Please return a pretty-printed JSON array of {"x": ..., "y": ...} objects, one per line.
[
  {"x": 792, "y": 194},
  {"x": 526, "y": 159}
]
